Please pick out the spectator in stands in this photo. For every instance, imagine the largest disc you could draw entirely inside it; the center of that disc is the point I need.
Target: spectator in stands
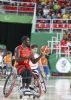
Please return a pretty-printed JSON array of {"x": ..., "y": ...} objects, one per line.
[
  {"x": 53, "y": 16},
  {"x": 63, "y": 10},
  {"x": 40, "y": 12},
  {"x": 66, "y": 16},
  {"x": 48, "y": 16},
  {"x": 59, "y": 16},
  {"x": 45, "y": 11}
]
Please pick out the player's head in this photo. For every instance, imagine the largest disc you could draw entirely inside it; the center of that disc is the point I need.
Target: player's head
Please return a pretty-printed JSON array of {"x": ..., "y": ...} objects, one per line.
[
  {"x": 25, "y": 41},
  {"x": 34, "y": 48}
]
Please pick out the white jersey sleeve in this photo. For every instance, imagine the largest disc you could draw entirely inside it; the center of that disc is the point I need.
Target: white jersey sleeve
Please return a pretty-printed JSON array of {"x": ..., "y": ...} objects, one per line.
[{"x": 34, "y": 66}]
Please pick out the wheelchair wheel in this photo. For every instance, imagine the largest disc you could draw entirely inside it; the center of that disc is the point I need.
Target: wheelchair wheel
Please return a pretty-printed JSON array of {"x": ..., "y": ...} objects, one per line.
[
  {"x": 35, "y": 83},
  {"x": 9, "y": 84},
  {"x": 43, "y": 84}
]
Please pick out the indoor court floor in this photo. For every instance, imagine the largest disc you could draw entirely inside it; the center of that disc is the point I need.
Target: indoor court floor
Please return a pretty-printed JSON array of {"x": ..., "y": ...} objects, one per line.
[{"x": 58, "y": 88}]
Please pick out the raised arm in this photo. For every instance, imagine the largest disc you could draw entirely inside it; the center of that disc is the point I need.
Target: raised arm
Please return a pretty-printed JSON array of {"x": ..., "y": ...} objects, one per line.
[{"x": 35, "y": 60}]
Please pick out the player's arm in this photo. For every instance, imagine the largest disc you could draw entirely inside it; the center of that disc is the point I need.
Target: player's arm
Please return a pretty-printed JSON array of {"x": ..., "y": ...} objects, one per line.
[{"x": 33, "y": 60}]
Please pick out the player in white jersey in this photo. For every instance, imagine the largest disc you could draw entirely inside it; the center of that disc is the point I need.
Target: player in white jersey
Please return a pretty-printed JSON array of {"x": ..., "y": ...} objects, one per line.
[{"x": 35, "y": 67}]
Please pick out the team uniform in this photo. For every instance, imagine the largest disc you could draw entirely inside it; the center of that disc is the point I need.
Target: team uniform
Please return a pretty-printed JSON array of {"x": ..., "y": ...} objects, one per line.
[
  {"x": 7, "y": 62},
  {"x": 23, "y": 67},
  {"x": 44, "y": 65},
  {"x": 35, "y": 67}
]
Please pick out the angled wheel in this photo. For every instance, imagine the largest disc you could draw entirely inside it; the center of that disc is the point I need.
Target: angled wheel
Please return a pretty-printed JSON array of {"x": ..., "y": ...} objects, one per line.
[
  {"x": 9, "y": 84},
  {"x": 36, "y": 86},
  {"x": 43, "y": 84}
]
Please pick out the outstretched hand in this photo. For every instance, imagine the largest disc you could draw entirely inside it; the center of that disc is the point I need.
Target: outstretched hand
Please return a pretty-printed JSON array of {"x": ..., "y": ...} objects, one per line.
[{"x": 43, "y": 54}]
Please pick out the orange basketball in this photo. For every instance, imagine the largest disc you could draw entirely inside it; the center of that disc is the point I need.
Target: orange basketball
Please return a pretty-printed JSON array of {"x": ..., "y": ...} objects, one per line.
[{"x": 45, "y": 49}]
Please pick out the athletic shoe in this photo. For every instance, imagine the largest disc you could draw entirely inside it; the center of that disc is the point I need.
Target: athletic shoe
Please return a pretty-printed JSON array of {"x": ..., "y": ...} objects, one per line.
[{"x": 24, "y": 89}]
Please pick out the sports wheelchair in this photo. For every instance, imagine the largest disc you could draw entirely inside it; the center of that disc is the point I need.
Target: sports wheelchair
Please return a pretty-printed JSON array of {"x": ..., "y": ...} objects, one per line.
[{"x": 35, "y": 86}]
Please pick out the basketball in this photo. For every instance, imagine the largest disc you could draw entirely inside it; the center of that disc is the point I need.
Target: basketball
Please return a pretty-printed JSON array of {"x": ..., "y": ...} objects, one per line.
[{"x": 45, "y": 49}]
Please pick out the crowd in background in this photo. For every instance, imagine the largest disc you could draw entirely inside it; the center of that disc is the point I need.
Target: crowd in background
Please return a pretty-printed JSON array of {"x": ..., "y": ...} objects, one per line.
[
  {"x": 52, "y": 9},
  {"x": 49, "y": 9}
]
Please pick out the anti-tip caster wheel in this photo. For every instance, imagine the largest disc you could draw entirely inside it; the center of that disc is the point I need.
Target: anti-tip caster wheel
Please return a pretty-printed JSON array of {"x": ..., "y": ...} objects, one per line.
[
  {"x": 38, "y": 96},
  {"x": 33, "y": 97},
  {"x": 20, "y": 96}
]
